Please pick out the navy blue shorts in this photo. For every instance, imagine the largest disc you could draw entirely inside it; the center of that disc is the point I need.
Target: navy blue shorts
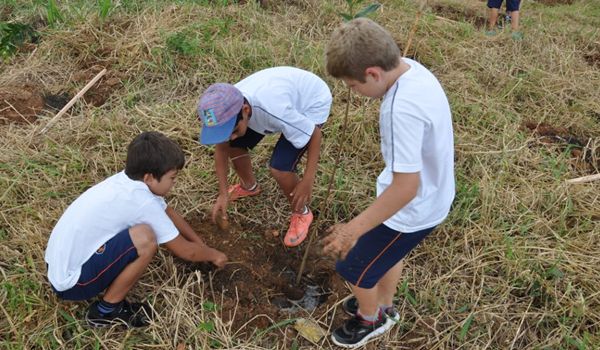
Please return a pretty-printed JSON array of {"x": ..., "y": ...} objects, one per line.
[
  {"x": 375, "y": 253},
  {"x": 511, "y": 5},
  {"x": 285, "y": 156},
  {"x": 102, "y": 268}
]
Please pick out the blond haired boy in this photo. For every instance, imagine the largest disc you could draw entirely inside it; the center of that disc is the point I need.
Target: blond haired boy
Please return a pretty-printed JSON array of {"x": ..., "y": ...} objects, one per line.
[{"x": 414, "y": 190}]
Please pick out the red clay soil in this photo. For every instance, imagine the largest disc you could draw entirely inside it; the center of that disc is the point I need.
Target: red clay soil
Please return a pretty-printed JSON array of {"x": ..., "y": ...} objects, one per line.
[
  {"x": 20, "y": 104},
  {"x": 98, "y": 94},
  {"x": 259, "y": 277}
]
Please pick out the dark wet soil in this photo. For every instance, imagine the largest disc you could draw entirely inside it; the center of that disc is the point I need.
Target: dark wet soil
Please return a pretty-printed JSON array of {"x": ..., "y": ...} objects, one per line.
[{"x": 260, "y": 276}]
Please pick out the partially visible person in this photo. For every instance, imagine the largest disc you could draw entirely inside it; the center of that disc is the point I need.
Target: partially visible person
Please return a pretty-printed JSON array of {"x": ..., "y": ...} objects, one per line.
[
  {"x": 512, "y": 11},
  {"x": 105, "y": 239}
]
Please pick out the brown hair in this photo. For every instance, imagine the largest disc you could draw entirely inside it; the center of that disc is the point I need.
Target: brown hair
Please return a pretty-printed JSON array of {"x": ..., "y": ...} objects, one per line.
[
  {"x": 358, "y": 45},
  {"x": 152, "y": 153}
]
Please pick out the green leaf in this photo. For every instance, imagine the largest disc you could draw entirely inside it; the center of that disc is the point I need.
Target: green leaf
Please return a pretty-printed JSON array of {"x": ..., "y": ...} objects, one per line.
[
  {"x": 207, "y": 326},
  {"x": 345, "y": 16},
  {"x": 367, "y": 10},
  {"x": 465, "y": 328},
  {"x": 67, "y": 317},
  {"x": 209, "y": 306}
]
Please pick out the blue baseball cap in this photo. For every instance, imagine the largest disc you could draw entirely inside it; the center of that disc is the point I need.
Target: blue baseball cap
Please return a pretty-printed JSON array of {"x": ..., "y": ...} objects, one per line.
[{"x": 218, "y": 108}]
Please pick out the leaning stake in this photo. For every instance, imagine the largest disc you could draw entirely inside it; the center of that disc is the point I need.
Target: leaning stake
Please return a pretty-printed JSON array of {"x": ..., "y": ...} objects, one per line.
[{"x": 73, "y": 100}]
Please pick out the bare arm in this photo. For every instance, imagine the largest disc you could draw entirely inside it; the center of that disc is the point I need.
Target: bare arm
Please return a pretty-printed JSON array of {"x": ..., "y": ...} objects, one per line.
[
  {"x": 221, "y": 168},
  {"x": 401, "y": 191},
  {"x": 189, "y": 246}
]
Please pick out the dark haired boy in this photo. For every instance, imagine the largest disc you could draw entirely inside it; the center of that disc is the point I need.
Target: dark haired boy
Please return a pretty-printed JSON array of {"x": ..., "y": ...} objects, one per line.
[
  {"x": 107, "y": 237},
  {"x": 235, "y": 118},
  {"x": 414, "y": 190}
]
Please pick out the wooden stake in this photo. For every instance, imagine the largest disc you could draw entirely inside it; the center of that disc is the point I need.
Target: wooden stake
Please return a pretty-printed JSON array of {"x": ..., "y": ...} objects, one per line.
[
  {"x": 584, "y": 179},
  {"x": 73, "y": 100}
]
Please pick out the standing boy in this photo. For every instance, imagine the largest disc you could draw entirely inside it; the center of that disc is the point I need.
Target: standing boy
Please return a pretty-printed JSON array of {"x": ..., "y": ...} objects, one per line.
[
  {"x": 414, "y": 190},
  {"x": 107, "y": 237},
  {"x": 512, "y": 11},
  {"x": 235, "y": 118}
]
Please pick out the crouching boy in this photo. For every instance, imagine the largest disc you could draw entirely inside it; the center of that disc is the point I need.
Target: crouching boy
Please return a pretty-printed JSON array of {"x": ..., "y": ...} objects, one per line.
[
  {"x": 280, "y": 100},
  {"x": 107, "y": 237},
  {"x": 414, "y": 190}
]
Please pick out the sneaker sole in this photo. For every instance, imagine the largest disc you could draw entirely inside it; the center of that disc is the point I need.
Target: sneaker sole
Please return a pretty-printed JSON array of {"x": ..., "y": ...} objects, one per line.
[{"x": 372, "y": 336}]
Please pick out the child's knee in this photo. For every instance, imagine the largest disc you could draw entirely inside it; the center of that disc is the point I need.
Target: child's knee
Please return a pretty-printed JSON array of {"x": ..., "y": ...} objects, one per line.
[
  {"x": 144, "y": 239},
  {"x": 279, "y": 174}
]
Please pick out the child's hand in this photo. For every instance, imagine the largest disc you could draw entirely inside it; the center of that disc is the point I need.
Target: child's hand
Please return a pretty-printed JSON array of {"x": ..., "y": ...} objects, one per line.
[
  {"x": 219, "y": 259},
  {"x": 301, "y": 194},
  {"x": 340, "y": 240},
  {"x": 220, "y": 207}
]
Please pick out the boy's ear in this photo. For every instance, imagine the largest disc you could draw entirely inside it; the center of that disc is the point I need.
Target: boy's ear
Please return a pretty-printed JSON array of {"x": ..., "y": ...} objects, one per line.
[
  {"x": 374, "y": 72},
  {"x": 147, "y": 179},
  {"x": 246, "y": 110}
]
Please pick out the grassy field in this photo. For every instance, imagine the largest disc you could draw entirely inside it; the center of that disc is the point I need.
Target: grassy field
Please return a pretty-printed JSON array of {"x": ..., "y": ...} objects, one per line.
[{"x": 515, "y": 266}]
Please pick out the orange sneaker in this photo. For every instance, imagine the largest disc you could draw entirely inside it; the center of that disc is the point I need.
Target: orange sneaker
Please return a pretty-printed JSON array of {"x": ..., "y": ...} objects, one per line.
[
  {"x": 237, "y": 191},
  {"x": 298, "y": 230}
]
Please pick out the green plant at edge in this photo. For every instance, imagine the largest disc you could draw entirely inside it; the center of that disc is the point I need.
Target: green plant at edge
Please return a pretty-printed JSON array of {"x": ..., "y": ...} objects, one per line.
[
  {"x": 13, "y": 35},
  {"x": 105, "y": 7},
  {"x": 367, "y": 10},
  {"x": 52, "y": 12}
]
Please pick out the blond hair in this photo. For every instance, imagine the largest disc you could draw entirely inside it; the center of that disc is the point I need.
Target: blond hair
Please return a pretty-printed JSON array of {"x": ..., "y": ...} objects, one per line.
[{"x": 358, "y": 45}]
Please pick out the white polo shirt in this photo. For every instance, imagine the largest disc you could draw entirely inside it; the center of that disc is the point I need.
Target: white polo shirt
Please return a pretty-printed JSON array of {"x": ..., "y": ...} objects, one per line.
[
  {"x": 95, "y": 217},
  {"x": 286, "y": 100},
  {"x": 415, "y": 123}
]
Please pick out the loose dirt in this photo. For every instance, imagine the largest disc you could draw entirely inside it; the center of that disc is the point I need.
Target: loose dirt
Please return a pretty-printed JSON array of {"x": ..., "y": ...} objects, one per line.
[
  {"x": 260, "y": 276},
  {"x": 20, "y": 104}
]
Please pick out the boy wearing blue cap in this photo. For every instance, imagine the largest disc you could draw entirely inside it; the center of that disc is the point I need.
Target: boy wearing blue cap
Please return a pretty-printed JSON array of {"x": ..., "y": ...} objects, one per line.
[
  {"x": 235, "y": 118},
  {"x": 415, "y": 188}
]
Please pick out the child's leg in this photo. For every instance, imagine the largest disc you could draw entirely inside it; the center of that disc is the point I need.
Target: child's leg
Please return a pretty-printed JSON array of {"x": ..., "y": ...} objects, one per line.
[
  {"x": 514, "y": 24},
  {"x": 367, "y": 300},
  {"x": 493, "y": 9},
  {"x": 386, "y": 287},
  {"x": 242, "y": 164},
  {"x": 144, "y": 241},
  {"x": 283, "y": 166},
  {"x": 286, "y": 180},
  {"x": 240, "y": 158}
]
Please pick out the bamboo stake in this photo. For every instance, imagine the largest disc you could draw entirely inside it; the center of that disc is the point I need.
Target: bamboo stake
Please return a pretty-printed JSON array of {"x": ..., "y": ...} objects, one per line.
[
  {"x": 73, "y": 100},
  {"x": 584, "y": 179},
  {"x": 323, "y": 206}
]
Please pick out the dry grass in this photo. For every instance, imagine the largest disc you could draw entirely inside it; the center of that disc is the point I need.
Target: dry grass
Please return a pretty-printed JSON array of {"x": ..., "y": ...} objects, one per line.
[{"x": 514, "y": 266}]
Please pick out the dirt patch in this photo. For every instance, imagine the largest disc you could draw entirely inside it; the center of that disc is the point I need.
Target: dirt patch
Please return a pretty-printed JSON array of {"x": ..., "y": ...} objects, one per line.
[
  {"x": 20, "y": 104},
  {"x": 592, "y": 55},
  {"x": 585, "y": 155},
  {"x": 466, "y": 14},
  {"x": 260, "y": 276}
]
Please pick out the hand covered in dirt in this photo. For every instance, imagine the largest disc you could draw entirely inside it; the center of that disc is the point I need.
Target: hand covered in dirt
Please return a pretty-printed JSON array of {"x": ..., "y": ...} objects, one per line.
[
  {"x": 301, "y": 194},
  {"x": 220, "y": 207},
  {"x": 340, "y": 240},
  {"x": 219, "y": 259}
]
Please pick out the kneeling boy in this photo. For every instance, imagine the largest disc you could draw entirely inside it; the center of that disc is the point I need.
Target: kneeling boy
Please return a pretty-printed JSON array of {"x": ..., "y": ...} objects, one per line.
[{"x": 107, "y": 237}]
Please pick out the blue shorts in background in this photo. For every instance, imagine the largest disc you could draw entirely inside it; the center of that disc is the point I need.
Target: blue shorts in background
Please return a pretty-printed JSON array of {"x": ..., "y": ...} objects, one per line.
[
  {"x": 285, "y": 156},
  {"x": 102, "y": 268},
  {"x": 375, "y": 253},
  {"x": 511, "y": 5}
]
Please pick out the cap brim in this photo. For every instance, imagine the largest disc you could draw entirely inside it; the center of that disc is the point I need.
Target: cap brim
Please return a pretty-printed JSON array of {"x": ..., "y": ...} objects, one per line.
[{"x": 211, "y": 135}]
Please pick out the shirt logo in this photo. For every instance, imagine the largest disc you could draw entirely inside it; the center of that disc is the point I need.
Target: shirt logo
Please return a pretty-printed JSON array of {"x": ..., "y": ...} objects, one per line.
[
  {"x": 101, "y": 249},
  {"x": 208, "y": 117}
]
